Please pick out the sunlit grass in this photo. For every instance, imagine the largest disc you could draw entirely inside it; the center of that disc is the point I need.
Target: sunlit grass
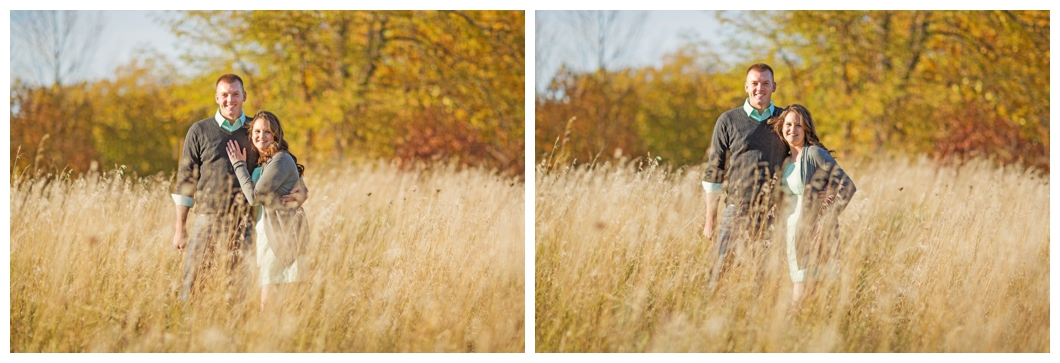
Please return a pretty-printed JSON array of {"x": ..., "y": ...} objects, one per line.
[
  {"x": 400, "y": 261},
  {"x": 934, "y": 259}
]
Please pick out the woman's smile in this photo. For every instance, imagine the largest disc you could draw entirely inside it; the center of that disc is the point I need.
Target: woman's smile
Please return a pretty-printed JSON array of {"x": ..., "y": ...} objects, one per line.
[
  {"x": 793, "y": 132},
  {"x": 262, "y": 134}
]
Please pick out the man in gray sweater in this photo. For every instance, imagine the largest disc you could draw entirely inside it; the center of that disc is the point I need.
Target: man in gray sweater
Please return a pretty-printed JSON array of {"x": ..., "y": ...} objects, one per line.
[
  {"x": 744, "y": 154},
  {"x": 206, "y": 180}
]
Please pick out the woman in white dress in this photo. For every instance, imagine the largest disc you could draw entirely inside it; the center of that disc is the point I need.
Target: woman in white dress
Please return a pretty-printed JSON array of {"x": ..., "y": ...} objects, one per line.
[
  {"x": 815, "y": 191},
  {"x": 280, "y": 232}
]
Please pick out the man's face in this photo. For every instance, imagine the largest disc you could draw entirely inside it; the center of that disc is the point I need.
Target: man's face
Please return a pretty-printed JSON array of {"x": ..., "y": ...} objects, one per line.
[
  {"x": 760, "y": 87},
  {"x": 230, "y": 97}
]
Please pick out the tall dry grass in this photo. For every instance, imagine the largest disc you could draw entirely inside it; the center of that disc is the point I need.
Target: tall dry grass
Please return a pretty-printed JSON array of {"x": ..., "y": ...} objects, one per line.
[
  {"x": 935, "y": 259},
  {"x": 400, "y": 261}
]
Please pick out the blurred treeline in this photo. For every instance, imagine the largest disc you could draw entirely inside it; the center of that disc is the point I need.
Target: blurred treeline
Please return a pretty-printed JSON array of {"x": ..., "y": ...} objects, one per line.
[
  {"x": 950, "y": 84},
  {"x": 409, "y": 86}
]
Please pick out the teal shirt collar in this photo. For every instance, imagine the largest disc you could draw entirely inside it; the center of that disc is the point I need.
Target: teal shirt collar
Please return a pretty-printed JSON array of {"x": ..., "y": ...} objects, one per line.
[
  {"x": 751, "y": 111},
  {"x": 229, "y": 126}
]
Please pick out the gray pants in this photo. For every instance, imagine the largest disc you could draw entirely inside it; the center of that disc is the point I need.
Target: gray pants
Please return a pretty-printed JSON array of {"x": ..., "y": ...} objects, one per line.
[
  {"x": 212, "y": 232},
  {"x": 737, "y": 226}
]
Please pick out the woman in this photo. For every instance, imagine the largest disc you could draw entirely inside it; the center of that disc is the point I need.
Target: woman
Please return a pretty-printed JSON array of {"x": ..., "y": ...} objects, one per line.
[
  {"x": 816, "y": 190},
  {"x": 280, "y": 232}
]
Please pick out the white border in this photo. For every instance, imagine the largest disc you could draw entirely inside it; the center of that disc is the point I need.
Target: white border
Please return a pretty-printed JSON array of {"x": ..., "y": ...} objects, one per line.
[{"x": 530, "y": 7}]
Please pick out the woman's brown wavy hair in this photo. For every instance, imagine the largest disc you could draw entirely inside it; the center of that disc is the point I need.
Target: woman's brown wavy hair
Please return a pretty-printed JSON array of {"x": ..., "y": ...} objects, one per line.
[
  {"x": 808, "y": 127},
  {"x": 278, "y": 142}
]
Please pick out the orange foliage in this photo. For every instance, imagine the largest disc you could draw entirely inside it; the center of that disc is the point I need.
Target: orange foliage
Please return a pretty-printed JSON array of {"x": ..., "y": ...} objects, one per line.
[
  {"x": 952, "y": 84},
  {"x": 51, "y": 128},
  {"x": 348, "y": 85}
]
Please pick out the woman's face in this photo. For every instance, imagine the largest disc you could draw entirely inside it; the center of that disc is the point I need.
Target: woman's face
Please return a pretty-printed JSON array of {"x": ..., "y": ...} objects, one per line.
[
  {"x": 793, "y": 132},
  {"x": 261, "y": 135}
]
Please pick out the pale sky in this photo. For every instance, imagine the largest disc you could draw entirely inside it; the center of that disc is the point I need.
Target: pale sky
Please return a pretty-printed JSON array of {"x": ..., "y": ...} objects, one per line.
[
  {"x": 123, "y": 33},
  {"x": 661, "y": 33}
]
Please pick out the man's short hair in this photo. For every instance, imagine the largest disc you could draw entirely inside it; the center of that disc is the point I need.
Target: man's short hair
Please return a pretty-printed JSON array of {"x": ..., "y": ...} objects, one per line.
[
  {"x": 231, "y": 78},
  {"x": 761, "y": 67}
]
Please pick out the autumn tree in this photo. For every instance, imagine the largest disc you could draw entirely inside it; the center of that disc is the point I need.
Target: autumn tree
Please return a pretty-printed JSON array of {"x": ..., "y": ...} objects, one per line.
[
  {"x": 667, "y": 111},
  {"x": 51, "y": 128},
  {"x": 412, "y": 85},
  {"x": 949, "y": 84},
  {"x": 594, "y": 113},
  {"x": 434, "y": 87},
  {"x": 54, "y": 47},
  {"x": 143, "y": 113},
  {"x": 51, "y": 109},
  {"x": 603, "y": 39},
  {"x": 682, "y": 101},
  {"x": 954, "y": 84}
]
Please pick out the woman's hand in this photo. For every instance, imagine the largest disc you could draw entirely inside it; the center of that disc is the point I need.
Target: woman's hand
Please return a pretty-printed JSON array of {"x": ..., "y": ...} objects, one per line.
[{"x": 235, "y": 153}]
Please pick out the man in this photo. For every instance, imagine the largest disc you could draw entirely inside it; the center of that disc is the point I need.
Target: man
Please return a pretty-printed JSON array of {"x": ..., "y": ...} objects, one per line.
[
  {"x": 205, "y": 178},
  {"x": 743, "y": 156}
]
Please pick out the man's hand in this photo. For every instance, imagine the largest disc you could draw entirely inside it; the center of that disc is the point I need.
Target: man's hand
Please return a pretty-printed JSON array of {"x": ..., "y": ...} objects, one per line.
[
  {"x": 298, "y": 196},
  {"x": 708, "y": 229},
  {"x": 180, "y": 239}
]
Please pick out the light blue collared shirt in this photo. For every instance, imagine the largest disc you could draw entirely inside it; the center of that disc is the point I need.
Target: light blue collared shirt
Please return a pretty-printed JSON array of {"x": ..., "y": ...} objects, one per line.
[
  {"x": 751, "y": 111},
  {"x": 754, "y": 115},
  {"x": 230, "y": 126}
]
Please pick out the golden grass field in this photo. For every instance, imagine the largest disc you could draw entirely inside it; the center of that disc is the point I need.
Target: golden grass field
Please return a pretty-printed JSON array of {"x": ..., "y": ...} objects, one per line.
[
  {"x": 934, "y": 259},
  {"x": 430, "y": 261}
]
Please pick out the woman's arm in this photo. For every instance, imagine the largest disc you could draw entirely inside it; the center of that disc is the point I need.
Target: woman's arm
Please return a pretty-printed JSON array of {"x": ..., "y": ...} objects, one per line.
[
  {"x": 278, "y": 177},
  {"x": 838, "y": 187},
  {"x": 238, "y": 157}
]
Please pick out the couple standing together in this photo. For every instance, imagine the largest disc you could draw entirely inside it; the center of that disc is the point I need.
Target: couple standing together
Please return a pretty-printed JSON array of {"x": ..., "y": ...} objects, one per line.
[
  {"x": 248, "y": 190},
  {"x": 770, "y": 163}
]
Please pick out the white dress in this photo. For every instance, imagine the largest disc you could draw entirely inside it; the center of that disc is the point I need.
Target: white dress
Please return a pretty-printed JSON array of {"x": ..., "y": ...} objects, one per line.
[
  {"x": 793, "y": 185},
  {"x": 793, "y": 188},
  {"x": 272, "y": 272}
]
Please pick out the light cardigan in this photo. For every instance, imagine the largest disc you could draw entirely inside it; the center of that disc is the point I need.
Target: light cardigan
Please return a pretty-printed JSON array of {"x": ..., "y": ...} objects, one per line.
[
  {"x": 286, "y": 229},
  {"x": 819, "y": 172}
]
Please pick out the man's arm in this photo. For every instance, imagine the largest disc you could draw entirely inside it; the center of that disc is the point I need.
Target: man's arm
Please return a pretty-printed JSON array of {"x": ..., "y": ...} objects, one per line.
[
  {"x": 180, "y": 238},
  {"x": 298, "y": 195},
  {"x": 712, "y": 213},
  {"x": 713, "y": 177},
  {"x": 184, "y": 188}
]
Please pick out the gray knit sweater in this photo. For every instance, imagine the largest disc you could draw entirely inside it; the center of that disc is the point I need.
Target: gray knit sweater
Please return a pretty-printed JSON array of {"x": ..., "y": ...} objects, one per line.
[
  {"x": 286, "y": 229},
  {"x": 279, "y": 175},
  {"x": 744, "y": 154},
  {"x": 206, "y": 174},
  {"x": 821, "y": 173}
]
